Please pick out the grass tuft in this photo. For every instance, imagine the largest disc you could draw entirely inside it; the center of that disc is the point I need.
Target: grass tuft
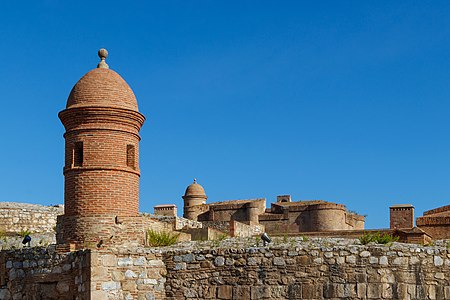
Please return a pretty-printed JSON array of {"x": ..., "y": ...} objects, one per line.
[
  {"x": 161, "y": 238},
  {"x": 24, "y": 233},
  {"x": 378, "y": 238}
]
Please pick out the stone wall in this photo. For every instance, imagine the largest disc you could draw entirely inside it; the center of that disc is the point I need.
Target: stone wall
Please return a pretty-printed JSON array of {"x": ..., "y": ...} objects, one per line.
[
  {"x": 288, "y": 268},
  {"x": 37, "y": 240},
  {"x": 125, "y": 274},
  {"x": 178, "y": 223},
  {"x": 40, "y": 273},
  {"x": 238, "y": 229},
  {"x": 106, "y": 230},
  {"x": 223, "y": 226},
  {"x": 16, "y": 217},
  {"x": 310, "y": 270}
]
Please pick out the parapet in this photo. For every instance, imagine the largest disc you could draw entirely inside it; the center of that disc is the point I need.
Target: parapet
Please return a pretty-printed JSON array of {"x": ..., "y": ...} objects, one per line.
[{"x": 169, "y": 210}]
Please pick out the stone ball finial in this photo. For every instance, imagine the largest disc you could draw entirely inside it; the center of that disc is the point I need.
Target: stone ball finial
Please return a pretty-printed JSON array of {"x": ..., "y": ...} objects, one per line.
[
  {"x": 195, "y": 180},
  {"x": 103, "y": 54}
]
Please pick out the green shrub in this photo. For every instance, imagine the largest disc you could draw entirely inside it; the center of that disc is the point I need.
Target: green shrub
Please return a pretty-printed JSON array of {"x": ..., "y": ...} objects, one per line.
[
  {"x": 221, "y": 237},
  {"x": 305, "y": 238},
  {"x": 161, "y": 238},
  {"x": 379, "y": 238},
  {"x": 24, "y": 233}
]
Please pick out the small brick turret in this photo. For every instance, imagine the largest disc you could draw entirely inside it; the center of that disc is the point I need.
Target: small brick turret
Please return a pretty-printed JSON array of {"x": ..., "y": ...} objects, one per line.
[
  {"x": 401, "y": 216},
  {"x": 193, "y": 197},
  {"x": 101, "y": 169}
]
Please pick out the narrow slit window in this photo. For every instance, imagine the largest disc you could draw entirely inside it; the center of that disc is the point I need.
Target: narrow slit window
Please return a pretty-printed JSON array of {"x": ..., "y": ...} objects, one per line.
[
  {"x": 78, "y": 154},
  {"x": 131, "y": 156}
]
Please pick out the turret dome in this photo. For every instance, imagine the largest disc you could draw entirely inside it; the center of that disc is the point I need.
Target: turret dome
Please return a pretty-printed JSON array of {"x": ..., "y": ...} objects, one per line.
[
  {"x": 195, "y": 189},
  {"x": 102, "y": 87}
]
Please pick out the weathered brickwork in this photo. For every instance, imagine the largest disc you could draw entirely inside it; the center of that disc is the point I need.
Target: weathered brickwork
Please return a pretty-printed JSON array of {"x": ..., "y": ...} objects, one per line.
[
  {"x": 100, "y": 231},
  {"x": 401, "y": 216},
  {"x": 101, "y": 169},
  {"x": 436, "y": 222}
]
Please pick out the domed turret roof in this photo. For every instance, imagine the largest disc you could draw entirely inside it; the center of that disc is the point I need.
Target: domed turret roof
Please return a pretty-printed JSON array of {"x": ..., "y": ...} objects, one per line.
[
  {"x": 102, "y": 87},
  {"x": 195, "y": 189}
]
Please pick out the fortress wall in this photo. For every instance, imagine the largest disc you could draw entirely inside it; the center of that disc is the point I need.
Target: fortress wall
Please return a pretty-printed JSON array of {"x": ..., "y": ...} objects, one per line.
[
  {"x": 223, "y": 226},
  {"x": 314, "y": 269},
  {"x": 106, "y": 230},
  {"x": 309, "y": 271},
  {"x": 125, "y": 274},
  {"x": 238, "y": 229},
  {"x": 443, "y": 210},
  {"x": 437, "y": 227},
  {"x": 178, "y": 223},
  {"x": 310, "y": 218},
  {"x": 326, "y": 217},
  {"x": 41, "y": 273},
  {"x": 16, "y": 217}
]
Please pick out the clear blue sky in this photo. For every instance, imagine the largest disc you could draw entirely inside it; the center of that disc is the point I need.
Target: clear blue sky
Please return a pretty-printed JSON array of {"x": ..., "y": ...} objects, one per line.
[{"x": 346, "y": 101}]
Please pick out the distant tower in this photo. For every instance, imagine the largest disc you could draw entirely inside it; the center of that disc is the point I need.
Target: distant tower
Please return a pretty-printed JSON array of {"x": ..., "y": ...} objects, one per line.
[
  {"x": 401, "y": 216},
  {"x": 195, "y": 195},
  {"x": 101, "y": 170}
]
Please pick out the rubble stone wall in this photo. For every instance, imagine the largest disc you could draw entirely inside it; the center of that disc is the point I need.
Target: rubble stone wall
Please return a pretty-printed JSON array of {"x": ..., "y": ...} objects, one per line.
[
  {"x": 125, "y": 274},
  {"x": 40, "y": 273},
  {"x": 294, "y": 268},
  {"x": 238, "y": 229},
  {"x": 16, "y": 217},
  {"x": 310, "y": 271}
]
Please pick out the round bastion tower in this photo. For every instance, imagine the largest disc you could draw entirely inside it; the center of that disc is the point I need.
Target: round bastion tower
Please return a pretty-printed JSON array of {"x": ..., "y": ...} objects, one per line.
[
  {"x": 193, "y": 198},
  {"x": 101, "y": 170}
]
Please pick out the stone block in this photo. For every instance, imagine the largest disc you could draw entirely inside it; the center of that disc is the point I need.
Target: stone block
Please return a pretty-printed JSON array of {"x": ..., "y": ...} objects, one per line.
[
  {"x": 447, "y": 292},
  {"x": 279, "y": 261},
  {"x": 386, "y": 291},
  {"x": 309, "y": 291},
  {"x": 225, "y": 292},
  {"x": 110, "y": 285},
  {"x": 140, "y": 261},
  {"x": 259, "y": 292},
  {"x": 130, "y": 274},
  {"x": 384, "y": 261},
  {"x": 219, "y": 261},
  {"x": 373, "y": 291},
  {"x": 129, "y": 285},
  {"x": 5, "y": 294},
  {"x": 117, "y": 275},
  {"x": 124, "y": 262},
  {"x": 62, "y": 287},
  {"x": 303, "y": 260},
  {"x": 99, "y": 295},
  {"x": 99, "y": 274},
  {"x": 155, "y": 263}
]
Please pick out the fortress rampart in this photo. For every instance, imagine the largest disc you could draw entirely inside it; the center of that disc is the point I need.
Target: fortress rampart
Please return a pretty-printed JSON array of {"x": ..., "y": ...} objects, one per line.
[
  {"x": 235, "y": 269},
  {"x": 16, "y": 217}
]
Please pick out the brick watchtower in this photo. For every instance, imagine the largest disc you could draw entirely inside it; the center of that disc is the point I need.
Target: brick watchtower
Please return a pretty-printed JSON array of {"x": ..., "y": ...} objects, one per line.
[
  {"x": 101, "y": 168},
  {"x": 194, "y": 200}
]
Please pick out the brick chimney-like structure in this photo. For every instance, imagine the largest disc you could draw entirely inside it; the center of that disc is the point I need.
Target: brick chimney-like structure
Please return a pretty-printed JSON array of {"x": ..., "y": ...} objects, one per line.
[
  {"x": 101, "y": 169},
  {"x": 401, "y": 216}
]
